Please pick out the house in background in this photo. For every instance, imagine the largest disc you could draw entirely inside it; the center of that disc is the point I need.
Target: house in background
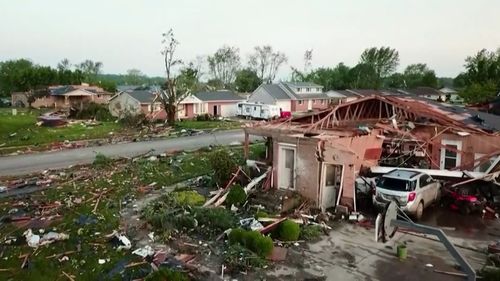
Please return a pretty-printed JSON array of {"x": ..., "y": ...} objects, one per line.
[
  {"x": 292, "y": 96},
  {"x": 136, "y": 102},
  {"x": 64, "y": 97},
  {"x": 451, "y": 94},
  {"x": 217, "y": 103},
  {"x": 426, "y": 92}
]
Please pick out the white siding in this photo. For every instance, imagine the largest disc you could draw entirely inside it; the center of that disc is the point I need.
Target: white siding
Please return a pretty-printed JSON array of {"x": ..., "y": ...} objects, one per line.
[
  {"x": 228, "y": 110},
  {"x": 124, "y": 104},
  {"x": 259, "y": 95},
  {"x": 285, "y": 105}
]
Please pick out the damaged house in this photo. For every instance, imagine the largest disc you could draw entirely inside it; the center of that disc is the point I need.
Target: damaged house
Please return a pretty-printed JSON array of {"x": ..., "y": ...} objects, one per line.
[{"x": 321, "y": 154}]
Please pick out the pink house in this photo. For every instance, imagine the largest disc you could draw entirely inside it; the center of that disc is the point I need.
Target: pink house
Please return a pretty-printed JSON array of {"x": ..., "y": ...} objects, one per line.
[
  {"x": 221, "y": 103},
  {"x": 292, "y": 96},
  {"x": 63, "y": 97}
]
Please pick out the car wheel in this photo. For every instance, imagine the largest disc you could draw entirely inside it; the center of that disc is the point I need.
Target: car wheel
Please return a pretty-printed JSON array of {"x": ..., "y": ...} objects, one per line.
[{"x": 420, "y": 211}]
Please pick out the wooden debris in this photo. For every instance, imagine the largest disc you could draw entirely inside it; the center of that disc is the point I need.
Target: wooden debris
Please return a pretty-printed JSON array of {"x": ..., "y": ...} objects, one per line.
[
  {"x": 450, "y": 273},
  {"x": 272, "y": 225},
  {"x": 135, "y": 264},
  {"x": 70, "y": 277},
  {"x": 60, "y": 255}
]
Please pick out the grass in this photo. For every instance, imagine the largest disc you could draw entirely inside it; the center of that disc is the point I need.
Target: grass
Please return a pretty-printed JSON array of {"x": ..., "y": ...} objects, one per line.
[
  {"x": 212, "y": 124},
  {"x": 25, "y": 132},
  {"x": 120, "y": 181}
]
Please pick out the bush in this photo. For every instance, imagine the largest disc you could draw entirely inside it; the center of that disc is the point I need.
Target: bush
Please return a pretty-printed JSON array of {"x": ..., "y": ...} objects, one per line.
[
  {"x": 223, "y": 165},
  {"x": 215, "y": 220},
  {"x": 185, "y": 222},
  {"x": 238, "y": 258},
  {"x": 167, "y": 274},
  {"x": 99, "y": 112},
  {"x": 203, "y": 117},
  {"x": 289, "y": 231},
  {"x": 188, "y": 198},
  {"x": 236, "y": 235},
  {"x": 252, "y": 240},
  {"x": 310, "y": 232},
  {"x": 236, "y": 196},
  {"x": 261, "y": 214},
  {"x": 134, "y": 121},
  {"x": 101, "y": 161}
]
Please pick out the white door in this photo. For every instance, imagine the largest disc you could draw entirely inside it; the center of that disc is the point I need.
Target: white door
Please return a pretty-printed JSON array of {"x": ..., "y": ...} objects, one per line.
[
  {"x": 309, "y": 105},
  {"x": 286, "y": 176},
  {"x": 331, "y": 184},
  {"x": 450, "y": 158}
]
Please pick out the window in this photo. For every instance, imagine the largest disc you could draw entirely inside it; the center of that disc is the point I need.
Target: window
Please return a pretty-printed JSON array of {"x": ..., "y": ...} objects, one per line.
[
  {"x": 396, "y": 184},
  {"x": 322, "y": 101},
  {"x": 485, "y": 163},
  {"x": 301, "y": 101},
  {"x": 298, "y": 89},
  {"x": 318, "y": 89},
  {"x": 308, "y": 89},
  {"x": 424, "y": 180},
  {"x": 314, "y": 101}
]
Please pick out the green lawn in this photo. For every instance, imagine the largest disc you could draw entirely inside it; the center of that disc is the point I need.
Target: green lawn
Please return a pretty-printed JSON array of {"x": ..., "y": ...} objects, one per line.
[
  {"x": 198, "y": 125},
  {"x": 21, "y": 130}
]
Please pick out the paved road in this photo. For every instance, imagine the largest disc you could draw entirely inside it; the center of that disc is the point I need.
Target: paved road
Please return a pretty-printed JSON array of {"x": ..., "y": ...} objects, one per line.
[{"x": 24, "y": 164}]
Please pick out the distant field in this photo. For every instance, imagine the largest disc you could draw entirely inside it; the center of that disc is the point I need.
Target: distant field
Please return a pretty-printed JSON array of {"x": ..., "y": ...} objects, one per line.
[{"x": 21, "y": 130}]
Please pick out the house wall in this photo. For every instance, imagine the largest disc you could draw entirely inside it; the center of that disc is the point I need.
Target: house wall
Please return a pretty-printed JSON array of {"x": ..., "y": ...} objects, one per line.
[
  {"x": 124, "y": 104},
  {"x": 260, "y": 95},
  {"x": 352, "y": 153},
  {"x": 320, "y": 103},
  {"x": 297, "y": 107},
  {"x": 229, "y": 109},
  {"x": 224, "y": 108},
  {"x": 284, "y": 105},
  {"x": 471, "y": 145}
]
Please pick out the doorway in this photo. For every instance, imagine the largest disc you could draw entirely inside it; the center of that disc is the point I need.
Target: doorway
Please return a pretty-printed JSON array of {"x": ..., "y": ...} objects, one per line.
[
  {"x": 332, "y": 180},
  {"x": 216, "y": 111},
  {"x": 309, "y": 105},
  {"x": 286, "y": 171},
  {"x": 450, "y": 156}
]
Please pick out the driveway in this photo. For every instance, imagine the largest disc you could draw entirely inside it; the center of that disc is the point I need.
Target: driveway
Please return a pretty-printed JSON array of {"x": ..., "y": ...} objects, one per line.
[{"x": 29, "y": 163}]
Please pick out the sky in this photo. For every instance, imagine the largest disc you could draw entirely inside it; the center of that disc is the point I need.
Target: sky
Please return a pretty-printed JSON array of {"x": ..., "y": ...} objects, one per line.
[{"x": 125, "y": 34}]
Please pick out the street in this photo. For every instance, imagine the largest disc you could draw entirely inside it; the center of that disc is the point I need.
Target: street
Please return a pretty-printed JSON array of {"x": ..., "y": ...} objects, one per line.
[{"x": 29, "y": 163}]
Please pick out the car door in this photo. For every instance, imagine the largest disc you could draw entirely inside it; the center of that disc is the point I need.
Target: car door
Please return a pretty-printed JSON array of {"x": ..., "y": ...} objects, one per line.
[{"x": 425, "y": 189}]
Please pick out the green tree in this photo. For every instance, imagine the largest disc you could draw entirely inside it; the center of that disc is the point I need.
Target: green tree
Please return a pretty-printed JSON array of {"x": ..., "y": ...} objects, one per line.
[
  {"x": 247, "y": 81},
  {"x": 90, "y": 69},
  {"x": 11, "y": 75},
  {"x": 383, "y": 61},
  {"x": 364, "y": 76},
  {"x": 419, "y": 75},
  {"x": 224, "y": 64},
  {"x": 481, "y": 79},
  {"x": 64, "y": 64},
  {"x": 134, "y": 77}
]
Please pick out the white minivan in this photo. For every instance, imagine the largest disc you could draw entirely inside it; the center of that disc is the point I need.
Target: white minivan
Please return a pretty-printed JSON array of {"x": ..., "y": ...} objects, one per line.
[{"x": 412, "y": 190}]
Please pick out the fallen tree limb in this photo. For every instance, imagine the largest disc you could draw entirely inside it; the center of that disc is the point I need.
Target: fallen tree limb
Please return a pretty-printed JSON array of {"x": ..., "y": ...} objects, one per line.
[
  {"x": 451, "y": 273},
  {"x": 225, "y": 189}
]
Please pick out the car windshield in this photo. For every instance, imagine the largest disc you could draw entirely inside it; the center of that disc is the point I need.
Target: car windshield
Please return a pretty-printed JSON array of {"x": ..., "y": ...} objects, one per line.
[{"x": 396, "y": 184}]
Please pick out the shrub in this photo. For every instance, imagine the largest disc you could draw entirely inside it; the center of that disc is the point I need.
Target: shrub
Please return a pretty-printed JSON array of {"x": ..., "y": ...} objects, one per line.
[
  {"x": 129, "y": 120},
  {"x": 92, "y": 110},
  {"x": 261, "y": 214},
  {"x": 289, "y": 231},
  {"x": 252, "y": 240},
  {"x": 215, "y": 220},
  {"x": 238, "y": 258},
  {"x": 310, "y": 232},
  {"x": 188, "y": 198},
  {"x": 203, "y": 117},
  {"x": 236, "y": 196},
  {"x": 236, "y": 235},
  {"x": 101, "y": 161},
  {"x": 167, "y": 274},
  {"x": 223, "y": 165},
  {"x": 185, "y": 221}
]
